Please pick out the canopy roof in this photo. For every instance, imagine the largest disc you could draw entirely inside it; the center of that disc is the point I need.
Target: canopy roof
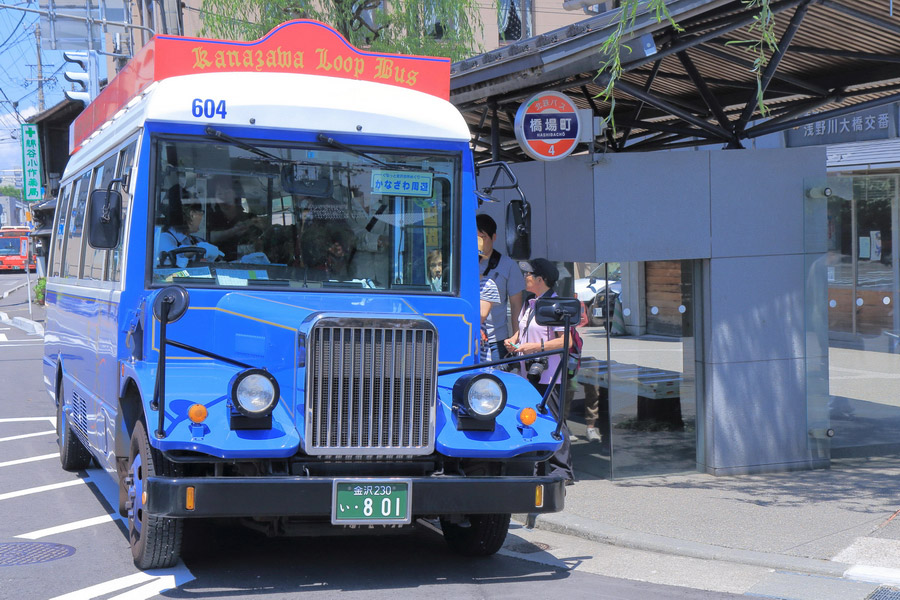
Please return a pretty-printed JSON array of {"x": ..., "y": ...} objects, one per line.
[{"x": 833, "y": 57}]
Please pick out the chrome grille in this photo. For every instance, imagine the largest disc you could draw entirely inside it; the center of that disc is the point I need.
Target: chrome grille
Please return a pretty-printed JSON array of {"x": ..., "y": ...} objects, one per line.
[{"x": 371, "y": 387}]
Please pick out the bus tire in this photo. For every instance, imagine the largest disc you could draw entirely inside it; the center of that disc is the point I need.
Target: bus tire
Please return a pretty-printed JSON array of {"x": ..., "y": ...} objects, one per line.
[
  {"x": 155, "y": 541},
  {"x": 483, "y": 535},
  {"x": 73, "y": 455}
]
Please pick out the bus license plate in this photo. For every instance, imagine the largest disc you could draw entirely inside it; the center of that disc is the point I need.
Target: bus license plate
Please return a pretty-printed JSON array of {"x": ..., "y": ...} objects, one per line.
[
  {"x": 371, "y": 501},
  {"x": 598, "y": 312}
]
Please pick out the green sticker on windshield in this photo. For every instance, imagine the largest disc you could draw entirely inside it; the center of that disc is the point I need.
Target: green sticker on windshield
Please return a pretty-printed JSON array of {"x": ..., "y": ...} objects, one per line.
[{"x": 402, "y": 183}]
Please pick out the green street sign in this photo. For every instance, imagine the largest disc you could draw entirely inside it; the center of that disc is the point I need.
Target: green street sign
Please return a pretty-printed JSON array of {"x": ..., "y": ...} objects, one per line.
[{"x": 31, "y": 163}]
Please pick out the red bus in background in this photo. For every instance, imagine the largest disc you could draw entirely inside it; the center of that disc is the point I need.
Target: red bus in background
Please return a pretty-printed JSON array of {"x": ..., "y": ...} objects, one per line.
[{"x": 14, "y": 252}]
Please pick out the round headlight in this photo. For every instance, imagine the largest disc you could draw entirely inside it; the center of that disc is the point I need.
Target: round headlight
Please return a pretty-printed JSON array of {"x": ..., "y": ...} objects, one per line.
[
  {"x": 255, "y": 392},
  {"x": 484, "y": 396}
]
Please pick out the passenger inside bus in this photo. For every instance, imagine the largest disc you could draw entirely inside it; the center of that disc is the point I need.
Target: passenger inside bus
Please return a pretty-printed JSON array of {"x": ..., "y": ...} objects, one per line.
[
  {"x": 435, "y": 270},
  {"x": 231, "y": 227},
  {"x": 327, "y": 247}
]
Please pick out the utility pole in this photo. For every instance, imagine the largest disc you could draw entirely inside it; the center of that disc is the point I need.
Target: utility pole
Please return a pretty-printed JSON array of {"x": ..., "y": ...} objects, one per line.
[{"x": 40, "y": 70}]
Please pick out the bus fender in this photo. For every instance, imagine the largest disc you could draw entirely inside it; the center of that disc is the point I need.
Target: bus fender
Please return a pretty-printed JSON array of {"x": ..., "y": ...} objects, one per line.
[{"x": 129, "y": 412}]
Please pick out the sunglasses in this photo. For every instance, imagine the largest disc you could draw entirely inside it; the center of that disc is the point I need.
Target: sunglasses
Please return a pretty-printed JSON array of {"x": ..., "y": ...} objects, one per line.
[{"x": 527, "y": 273}]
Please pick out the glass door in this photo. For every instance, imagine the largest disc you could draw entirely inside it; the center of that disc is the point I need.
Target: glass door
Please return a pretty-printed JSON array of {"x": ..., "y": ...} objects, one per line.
[
  {"x": 639, "y": 384},
  {"x": 863, "y": 321}
]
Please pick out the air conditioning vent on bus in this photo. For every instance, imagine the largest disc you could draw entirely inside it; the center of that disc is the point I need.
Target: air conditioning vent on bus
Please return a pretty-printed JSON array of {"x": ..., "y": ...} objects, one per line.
[{"x": 79, "y": 415}]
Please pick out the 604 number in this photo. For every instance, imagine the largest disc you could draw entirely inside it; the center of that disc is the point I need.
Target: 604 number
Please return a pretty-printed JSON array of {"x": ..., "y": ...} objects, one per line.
[{"x": 208, "y": 108}]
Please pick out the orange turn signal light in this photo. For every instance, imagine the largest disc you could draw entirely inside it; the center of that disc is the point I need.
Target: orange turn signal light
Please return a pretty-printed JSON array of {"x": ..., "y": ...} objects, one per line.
[
  {"x": 539, "y": 496},
  {"x": 527, "y": 416},
  {"x": 189, "y": 498},
  {"x": 197, "y": 413}
]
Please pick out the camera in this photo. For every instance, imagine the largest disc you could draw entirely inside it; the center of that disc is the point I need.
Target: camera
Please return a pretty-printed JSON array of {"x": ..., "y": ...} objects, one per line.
[
  {"x": 509, "y": 367},
  {"x": 534, "y": 368}
]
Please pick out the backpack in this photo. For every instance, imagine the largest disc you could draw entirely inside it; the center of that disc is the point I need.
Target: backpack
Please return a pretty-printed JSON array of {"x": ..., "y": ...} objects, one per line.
[{"x": 575, "y": 352}]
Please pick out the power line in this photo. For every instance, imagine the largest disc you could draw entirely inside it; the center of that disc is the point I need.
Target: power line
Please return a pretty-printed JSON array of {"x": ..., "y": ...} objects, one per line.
[{"x": 14, "y": 31}]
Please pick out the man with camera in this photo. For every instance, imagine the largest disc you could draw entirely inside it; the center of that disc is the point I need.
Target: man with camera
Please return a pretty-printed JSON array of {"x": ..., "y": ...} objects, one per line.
[{"x": 540, "y": 277}]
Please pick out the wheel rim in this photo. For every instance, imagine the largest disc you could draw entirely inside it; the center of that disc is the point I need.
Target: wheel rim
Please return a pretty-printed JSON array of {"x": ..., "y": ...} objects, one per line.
[{"x": 136, "y": 494}]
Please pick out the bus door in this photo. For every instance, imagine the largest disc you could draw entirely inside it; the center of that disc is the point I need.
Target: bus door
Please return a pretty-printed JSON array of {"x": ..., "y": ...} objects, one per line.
[{"x": 102, "y": 271}]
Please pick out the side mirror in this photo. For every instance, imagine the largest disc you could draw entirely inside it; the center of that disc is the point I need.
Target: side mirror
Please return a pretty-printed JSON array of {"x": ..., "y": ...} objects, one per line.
[
  {"x": 104, "y": 218},
  {"x": 171, "y": 303},
  {"x": 518, "y": 229},
  {"x": 557, "y": 311}
]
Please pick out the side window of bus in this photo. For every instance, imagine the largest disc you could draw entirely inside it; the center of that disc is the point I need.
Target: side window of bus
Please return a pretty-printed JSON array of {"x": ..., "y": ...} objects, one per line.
[
  {"x": 59, "y": 234},
  {"x": 75, "y": 228},
  {"x": 95, "y": 259},
  {"x": 114, "y": 266}
]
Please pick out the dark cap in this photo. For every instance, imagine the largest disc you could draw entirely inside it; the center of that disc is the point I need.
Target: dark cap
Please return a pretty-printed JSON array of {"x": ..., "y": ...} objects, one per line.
[{"x": 543, "y": 268}]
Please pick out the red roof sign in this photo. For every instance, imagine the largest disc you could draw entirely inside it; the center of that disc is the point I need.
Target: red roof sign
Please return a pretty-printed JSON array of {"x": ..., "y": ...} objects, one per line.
[{"x": 301, "y": 46}]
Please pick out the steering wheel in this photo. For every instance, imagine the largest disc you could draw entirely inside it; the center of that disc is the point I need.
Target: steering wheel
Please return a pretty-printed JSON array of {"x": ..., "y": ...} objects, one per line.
[{"x": 172, "y": 254}]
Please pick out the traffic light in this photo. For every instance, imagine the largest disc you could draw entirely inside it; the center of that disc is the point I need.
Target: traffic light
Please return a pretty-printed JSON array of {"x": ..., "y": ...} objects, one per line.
[{"x": 88, "y": 78}]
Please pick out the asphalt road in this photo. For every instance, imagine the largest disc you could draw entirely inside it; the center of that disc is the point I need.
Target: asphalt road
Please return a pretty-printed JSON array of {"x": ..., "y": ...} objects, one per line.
[{"x": 61, "y": 539}]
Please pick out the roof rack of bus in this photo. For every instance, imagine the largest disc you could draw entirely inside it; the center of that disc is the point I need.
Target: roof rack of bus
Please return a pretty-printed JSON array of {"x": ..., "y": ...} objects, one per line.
[{"x": 300, "y": 46}]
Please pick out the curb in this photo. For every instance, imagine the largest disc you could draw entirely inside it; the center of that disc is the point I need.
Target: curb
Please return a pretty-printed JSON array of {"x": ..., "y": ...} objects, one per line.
[
  {"x": 26, "y": 325},
  {"x": 13, "y": 289},
  {"x": 596, "y": 531}
]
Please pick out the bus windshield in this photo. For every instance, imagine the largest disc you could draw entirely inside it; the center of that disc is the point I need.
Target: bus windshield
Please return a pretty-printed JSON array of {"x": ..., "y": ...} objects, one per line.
[
  {"x": 10, "y": 246},
  {"x": 236, "y": 213}
]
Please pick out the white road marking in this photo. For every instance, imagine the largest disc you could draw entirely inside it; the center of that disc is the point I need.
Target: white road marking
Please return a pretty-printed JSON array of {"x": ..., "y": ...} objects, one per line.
[
  {"x": 107, "y": 587},
  {"x": 154, "y": 583},
  {"x": 873, "y": 574},
  {"x": 3, "y": 337},
  {"x": 20, "y": 343},
  {"x": 43, "y": 488},
  {"x": 33, "y": 535},
  {"x": 22, "y": 461},
  {"x": 24, "y": 419},
  {"x": 27, "y": 435},
  {"x": 154, "y": 588}
]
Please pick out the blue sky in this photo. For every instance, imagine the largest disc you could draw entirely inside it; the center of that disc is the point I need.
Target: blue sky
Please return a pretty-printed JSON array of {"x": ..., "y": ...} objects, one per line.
[{"x": 18, "y": 66}]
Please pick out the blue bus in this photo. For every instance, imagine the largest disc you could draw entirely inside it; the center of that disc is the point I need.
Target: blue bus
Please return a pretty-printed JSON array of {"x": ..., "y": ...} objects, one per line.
[{"x": 242, "y": 321}]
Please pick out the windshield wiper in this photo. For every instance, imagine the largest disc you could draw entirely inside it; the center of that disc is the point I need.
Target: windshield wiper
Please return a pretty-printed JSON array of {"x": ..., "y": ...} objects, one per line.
[
  {"x": 215, "y": 133},
  {"x": 330, "y": 141},
  {"x": 336, "y": 144}
]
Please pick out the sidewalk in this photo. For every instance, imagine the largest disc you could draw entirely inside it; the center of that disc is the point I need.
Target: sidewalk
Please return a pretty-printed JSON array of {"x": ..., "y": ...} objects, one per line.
[
  {"x": 838, "y": 524},
  {"x": 14, "y": 309}
]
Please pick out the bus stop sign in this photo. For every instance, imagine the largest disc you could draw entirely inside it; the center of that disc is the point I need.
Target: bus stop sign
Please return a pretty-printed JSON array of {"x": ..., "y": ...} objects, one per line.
[{"x": 547, "y": 126}]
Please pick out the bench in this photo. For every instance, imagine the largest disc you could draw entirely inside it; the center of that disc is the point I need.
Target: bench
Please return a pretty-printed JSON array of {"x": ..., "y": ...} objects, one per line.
[{"x": 658, "y": 391}]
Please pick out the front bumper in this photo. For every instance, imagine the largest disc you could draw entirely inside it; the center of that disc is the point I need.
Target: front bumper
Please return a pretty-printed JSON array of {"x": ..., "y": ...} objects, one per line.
[{"x": 289, "y": 496}]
